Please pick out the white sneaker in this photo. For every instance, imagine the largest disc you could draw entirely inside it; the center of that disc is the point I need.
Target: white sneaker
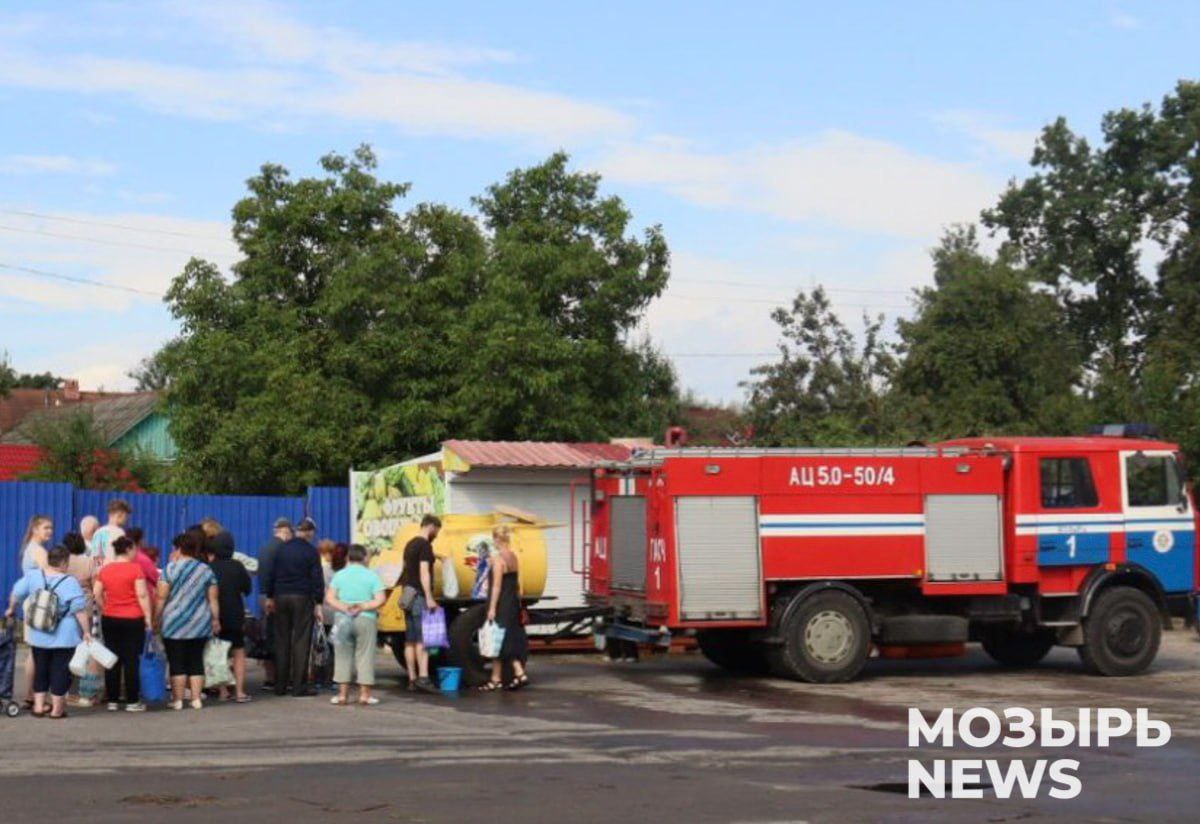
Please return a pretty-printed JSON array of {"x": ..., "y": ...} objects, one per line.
[
  {"x": 138, "y": 707},
  {"x": 113, "y": 706},
  {"x": 176, "y": 705},
  {"x": 197, "y": 704}
]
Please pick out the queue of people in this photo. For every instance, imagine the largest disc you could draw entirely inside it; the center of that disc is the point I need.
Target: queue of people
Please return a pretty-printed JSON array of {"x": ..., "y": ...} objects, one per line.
[{"x": 106, "y": 586}]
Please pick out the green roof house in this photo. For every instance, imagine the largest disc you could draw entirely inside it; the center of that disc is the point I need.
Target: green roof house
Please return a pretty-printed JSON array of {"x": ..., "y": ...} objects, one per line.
[{"x": 128, "y": 422}]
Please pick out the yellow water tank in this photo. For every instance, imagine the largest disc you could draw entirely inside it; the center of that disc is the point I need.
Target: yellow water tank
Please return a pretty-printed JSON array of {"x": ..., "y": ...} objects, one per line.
[{"x": 528, "y": 542}]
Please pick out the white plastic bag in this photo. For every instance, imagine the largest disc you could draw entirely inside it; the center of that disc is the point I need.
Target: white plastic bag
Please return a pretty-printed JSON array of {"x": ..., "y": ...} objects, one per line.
[
  {"x": 217, "y": 672},
  {"x": 79, "y": 661},
  {"x": 449, "y": 579},
  {"x": 491, "y": 639},
  {"x": 102, "y": 655}
]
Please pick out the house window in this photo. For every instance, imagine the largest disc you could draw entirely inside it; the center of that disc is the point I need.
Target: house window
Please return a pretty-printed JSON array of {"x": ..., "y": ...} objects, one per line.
[
  {"x": 1152, "y": 480},
  {"x": 1067, "y": 483}
]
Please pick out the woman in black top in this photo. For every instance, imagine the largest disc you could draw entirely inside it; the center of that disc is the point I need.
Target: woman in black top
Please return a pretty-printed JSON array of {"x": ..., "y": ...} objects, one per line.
[
  {"x": 504, "y": 607},
  {"x": 233, "y": 584}
]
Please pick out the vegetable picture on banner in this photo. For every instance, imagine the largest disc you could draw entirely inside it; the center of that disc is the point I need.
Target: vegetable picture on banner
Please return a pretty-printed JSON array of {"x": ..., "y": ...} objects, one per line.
[{"x": 383, "y": 500}]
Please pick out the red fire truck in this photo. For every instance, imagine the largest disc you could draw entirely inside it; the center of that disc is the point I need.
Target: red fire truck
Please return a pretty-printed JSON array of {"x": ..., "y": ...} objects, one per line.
[{"x": 801, "y": 561}]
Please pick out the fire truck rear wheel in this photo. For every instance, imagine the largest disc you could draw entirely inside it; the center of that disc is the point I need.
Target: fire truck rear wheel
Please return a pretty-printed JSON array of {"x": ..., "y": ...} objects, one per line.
[
  {"x": 733, "y": 650},
  {"x": 1121, "y": 633},
  {"x": 826, "y": 640},
  {"x": 1015, "y": 648}
]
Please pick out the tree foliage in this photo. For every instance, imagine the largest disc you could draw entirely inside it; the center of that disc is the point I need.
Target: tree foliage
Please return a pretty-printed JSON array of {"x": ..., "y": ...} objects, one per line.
[
  {"x": 985, "y": 352},
  {"x": 825, "y": 389},
  {"x": 353, "y": 333},
  {"x": 74, "y": 451},
  {"x": 1089, "y": 312},
  {"x": 11, "y": 379},
  {"x": 1091, "y": 222}
]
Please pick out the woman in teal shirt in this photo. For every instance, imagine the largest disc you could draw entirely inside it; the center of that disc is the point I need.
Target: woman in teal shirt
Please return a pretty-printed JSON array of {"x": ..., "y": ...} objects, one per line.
[
  {"x": 52, "y": 651},
  {"x": 355, "y": 594}
]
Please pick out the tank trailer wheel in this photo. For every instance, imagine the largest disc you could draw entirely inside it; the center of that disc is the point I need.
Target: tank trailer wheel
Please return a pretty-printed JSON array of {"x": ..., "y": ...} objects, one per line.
[
  {"x": 733, "y": 650},
  {"x": 464, "y": 645}
]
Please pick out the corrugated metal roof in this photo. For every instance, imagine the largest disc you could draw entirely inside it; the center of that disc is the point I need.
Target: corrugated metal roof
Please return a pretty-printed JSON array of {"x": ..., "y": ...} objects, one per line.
[
  {"x": 114, "y": 417},
  {"x": 16, "y": 460},
  {"x": 530, "y": 454}
]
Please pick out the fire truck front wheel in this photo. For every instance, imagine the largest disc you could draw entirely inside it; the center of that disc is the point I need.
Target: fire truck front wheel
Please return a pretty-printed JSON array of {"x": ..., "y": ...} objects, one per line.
[
  {"x": 826, "y": 639},
  {"x": 1121, "y": 633}
]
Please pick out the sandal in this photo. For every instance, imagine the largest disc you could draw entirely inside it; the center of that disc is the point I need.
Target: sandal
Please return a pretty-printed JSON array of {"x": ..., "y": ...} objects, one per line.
[
  {"x": 517, "y": 683},
  {"x": 56, "y": 717},
  {"x": 243, "y": 699},
  {"x": 490, "y": 686}
]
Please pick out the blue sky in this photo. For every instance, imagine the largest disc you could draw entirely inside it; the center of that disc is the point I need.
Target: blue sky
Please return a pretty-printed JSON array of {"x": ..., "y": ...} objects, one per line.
[{"x": 780, "y": 146}]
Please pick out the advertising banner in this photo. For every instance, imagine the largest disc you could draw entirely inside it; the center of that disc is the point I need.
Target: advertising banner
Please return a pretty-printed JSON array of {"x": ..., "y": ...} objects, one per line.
[{"x": 383, "y": 500}]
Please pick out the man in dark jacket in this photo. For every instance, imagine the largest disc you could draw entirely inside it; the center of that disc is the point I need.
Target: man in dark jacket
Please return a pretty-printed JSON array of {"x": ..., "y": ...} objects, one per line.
[
  {"x": 295, "y": 588},
  {"x": 283, "y": 531}
]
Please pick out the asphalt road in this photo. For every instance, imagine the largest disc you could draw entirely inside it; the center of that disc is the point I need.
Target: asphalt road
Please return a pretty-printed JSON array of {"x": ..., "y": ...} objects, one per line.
[{"x": 668, "y": 739}]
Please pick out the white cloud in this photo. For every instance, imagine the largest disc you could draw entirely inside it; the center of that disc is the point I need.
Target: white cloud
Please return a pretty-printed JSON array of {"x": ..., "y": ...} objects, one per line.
[
  {"x": 264, "y": 30},
  {"x": 270, "y": 68},
  {"x": 133, "y": 250},
  {"x": 1016, "y": 144},
  {"x": 1123, "y": 20},
  {"x": 836, "y": 178},
  {"x": 27, "y": 164},
  {"x": 715, "y": 316}
]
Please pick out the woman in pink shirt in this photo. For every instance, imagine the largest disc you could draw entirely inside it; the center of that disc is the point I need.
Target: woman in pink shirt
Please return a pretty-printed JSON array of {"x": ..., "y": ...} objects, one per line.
[{"x": 148, "y": 567}]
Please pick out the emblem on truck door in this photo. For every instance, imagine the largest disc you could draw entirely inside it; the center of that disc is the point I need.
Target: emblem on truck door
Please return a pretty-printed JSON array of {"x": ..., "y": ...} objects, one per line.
[{"x": 1164, "y": 539}]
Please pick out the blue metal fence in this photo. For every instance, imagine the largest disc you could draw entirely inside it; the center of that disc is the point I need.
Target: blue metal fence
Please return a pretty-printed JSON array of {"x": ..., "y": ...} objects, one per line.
[
  {"x": 159, "y": 516},
  {"x": 249, "y": 518},
  {"x": 329, "y": 506},
  {"x": 18, "y": 503}
]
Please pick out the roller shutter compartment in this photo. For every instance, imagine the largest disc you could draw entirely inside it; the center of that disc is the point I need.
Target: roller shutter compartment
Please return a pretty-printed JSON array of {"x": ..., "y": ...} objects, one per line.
[
  {"x": 720, "y": 564},
  {"x": 628, "y": 542},
  {"x": 963, "y": 538}
]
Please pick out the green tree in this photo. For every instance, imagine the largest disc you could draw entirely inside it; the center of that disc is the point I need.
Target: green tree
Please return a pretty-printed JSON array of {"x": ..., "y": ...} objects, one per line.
[
  {"x": 353, "y": 334},
  {"x": 11, "y": 379},
  {"x": 8, "y": 378},
  {"x": 825, "y": 389},
  {"x": 74, "y": 451},
  {"x": 565, "y": 284},
  {"x": 1083, "y": 222},
  {"x": 986, "y": 352}
]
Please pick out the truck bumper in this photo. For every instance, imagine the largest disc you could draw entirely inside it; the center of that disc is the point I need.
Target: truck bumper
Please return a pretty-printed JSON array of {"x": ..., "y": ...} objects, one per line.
[{"x": 660, "y": 637}]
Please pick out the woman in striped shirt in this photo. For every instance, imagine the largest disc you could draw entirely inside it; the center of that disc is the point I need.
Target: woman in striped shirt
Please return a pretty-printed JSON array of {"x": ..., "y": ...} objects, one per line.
[{"x": 189, "y": 616}]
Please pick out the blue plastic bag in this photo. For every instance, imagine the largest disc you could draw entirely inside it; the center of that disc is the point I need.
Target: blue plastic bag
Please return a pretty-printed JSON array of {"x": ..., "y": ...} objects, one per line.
[
  {"x": 152, "y": 672},
  {"x": 433, "y": 629}
]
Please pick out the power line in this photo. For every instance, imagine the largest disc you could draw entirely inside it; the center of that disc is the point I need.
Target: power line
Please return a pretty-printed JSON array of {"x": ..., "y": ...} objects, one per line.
[
  {"x": 722, "y": 354},
  {"x": 761, "y": 285},
  {"x": 97, "y": 240},
  {"x": 123, "y": 226},
  {"x": 73, "y": 279},
  {"x": 740, "y": 299}
]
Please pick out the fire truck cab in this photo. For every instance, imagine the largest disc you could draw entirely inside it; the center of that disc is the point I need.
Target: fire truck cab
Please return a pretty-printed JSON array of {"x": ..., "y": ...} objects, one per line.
[{"x": 801, "y": 561}]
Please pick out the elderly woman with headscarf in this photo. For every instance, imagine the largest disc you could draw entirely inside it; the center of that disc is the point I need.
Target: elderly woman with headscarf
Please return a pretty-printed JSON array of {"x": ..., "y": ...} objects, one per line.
[{"x": 233, "y": 585}]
